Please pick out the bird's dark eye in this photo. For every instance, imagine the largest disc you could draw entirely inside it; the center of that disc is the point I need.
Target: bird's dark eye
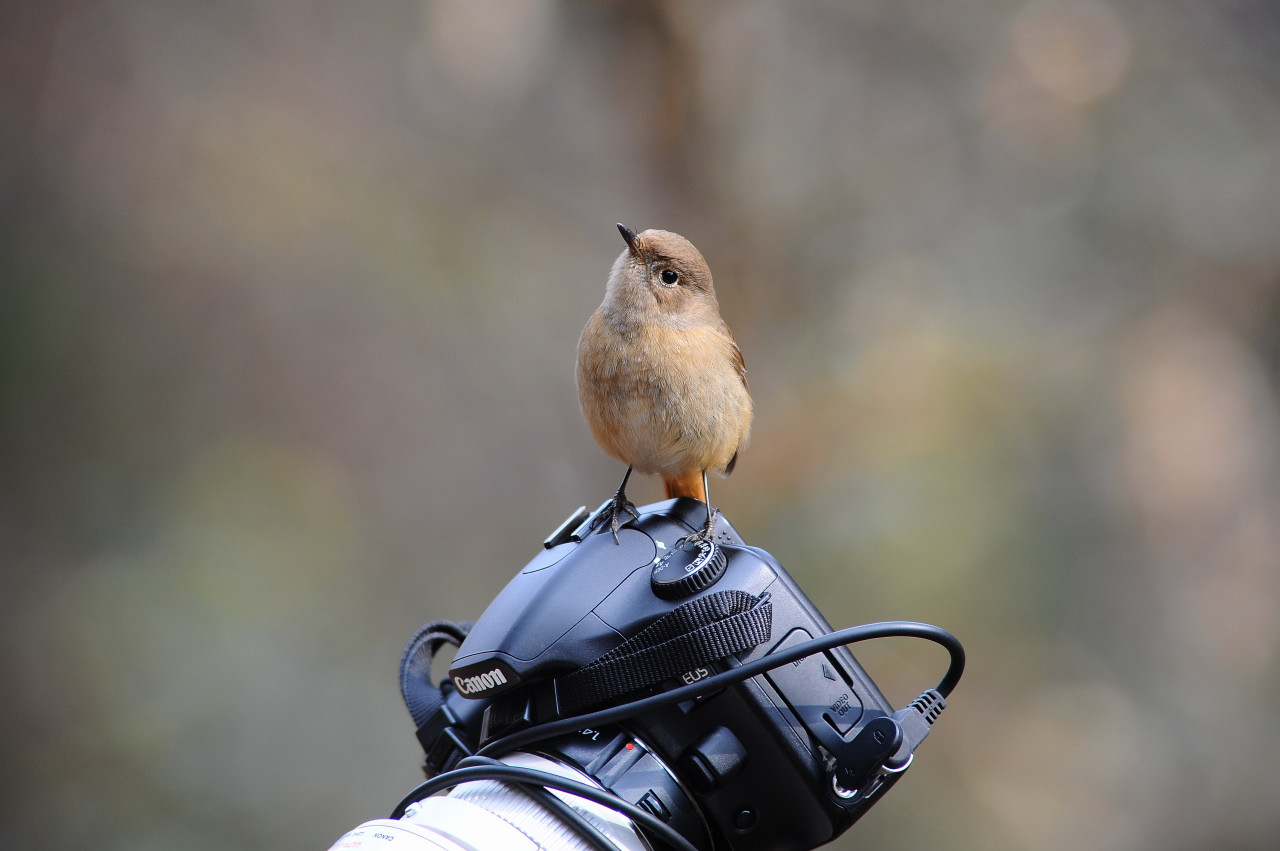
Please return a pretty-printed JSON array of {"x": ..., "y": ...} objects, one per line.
[{"x": 670, "y": 276}]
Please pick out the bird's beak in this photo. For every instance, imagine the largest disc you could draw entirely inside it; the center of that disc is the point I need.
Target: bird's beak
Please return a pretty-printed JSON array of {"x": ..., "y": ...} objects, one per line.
[{"x": 632, "y": 241}]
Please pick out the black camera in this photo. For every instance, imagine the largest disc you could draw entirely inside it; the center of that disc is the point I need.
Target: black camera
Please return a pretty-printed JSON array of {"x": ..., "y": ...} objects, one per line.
[{"x": 654, "y": 690}]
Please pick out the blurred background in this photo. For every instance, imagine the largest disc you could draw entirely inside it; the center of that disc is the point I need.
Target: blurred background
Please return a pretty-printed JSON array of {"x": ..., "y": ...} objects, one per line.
[{"x": 289, "y": 299}]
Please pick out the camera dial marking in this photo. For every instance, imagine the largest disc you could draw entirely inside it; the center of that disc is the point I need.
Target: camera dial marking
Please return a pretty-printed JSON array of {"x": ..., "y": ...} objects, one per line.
[{"x": 691, "y": 566}]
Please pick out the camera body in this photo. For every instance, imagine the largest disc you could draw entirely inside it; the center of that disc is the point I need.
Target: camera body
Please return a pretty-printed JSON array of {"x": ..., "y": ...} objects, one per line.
[{"x": 760, "y": 764}]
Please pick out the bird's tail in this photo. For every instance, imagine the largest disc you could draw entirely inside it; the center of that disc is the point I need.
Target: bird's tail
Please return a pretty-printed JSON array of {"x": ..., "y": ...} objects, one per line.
[{"x": 686, "y": 484}]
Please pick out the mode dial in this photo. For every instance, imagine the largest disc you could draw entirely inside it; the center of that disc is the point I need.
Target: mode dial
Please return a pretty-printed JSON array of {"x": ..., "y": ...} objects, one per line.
[{"x": 692, "y": 565}]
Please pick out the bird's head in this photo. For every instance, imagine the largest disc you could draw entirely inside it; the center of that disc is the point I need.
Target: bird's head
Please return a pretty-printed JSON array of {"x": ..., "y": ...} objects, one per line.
[{"x": 662, "y": 271}]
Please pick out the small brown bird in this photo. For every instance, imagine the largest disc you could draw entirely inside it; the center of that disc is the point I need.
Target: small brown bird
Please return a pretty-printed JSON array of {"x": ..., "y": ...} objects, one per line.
[{"x": 660, "y": 379}]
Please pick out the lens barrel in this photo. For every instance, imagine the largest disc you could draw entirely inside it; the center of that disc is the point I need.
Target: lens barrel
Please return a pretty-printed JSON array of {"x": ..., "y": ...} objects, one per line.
[{"x": 492, "y": 815}]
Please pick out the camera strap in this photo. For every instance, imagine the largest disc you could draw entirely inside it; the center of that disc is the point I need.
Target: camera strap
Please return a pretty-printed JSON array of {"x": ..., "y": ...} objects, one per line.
[
  {"x": 700, "y": 631},
  {"x": 437, "y": 725}
]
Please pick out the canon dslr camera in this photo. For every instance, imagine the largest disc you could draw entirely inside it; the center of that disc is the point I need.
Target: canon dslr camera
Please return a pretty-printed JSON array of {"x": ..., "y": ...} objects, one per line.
[{"x": 657, "y": 691}]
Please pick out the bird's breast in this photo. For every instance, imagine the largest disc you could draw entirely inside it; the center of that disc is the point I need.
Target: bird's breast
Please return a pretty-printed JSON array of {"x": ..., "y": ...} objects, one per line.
[{"x": 662, "y": 398}]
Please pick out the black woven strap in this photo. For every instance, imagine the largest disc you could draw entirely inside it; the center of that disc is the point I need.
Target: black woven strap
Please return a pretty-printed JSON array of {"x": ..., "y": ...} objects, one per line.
[
  {"x": 700, "y": 631},
  {"x": 422, "y": 696}
]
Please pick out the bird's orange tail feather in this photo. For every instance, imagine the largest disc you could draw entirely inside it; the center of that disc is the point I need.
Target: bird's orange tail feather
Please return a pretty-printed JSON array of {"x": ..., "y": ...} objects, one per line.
[{"x": 686, "y": 484}]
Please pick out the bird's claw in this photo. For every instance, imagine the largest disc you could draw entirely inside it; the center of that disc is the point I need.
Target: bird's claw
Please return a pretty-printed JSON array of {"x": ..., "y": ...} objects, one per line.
[
  {"x": 708, "y": 531},
  {"x": 620, "y": 506},
  {"x": 619, "y": 509}
]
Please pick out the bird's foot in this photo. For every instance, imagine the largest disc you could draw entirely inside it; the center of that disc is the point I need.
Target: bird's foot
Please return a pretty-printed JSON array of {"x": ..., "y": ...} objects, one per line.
[
  {"x": 619, "y": 508},
  {"x": 708, "y": 531}
]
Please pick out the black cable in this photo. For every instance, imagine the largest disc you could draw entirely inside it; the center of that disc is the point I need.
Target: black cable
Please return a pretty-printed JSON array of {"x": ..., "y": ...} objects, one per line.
[
  {"x": 570, "y": 816},
  {"x": 850, "y": 635},
  {"x": 517, "y": 774},
  {"x": 524, "y": 777},
  {"x": 567, "y": 813}
]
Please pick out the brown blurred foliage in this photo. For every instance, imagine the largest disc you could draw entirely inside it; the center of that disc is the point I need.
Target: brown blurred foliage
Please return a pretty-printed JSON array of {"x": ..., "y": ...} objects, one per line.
[{"x": 288, "y": 312}]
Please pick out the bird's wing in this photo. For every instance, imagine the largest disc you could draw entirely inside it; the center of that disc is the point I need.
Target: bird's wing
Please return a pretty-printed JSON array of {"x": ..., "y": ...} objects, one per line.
[{"x": 738, "y": 362}]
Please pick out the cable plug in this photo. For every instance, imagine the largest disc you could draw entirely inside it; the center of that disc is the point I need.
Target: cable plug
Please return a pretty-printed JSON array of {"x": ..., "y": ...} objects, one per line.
[{"x": 915, "y": 721}]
